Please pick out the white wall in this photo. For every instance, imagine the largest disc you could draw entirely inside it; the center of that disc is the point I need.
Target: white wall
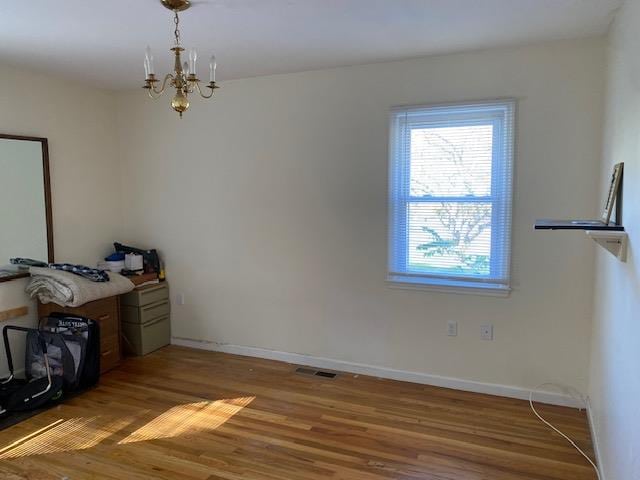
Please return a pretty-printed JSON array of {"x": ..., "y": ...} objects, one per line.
[
  {"x": 615, "y": 361},
  {"x": 79, "y": 122},
  {"x": 269, "y": 205},
  {"x": 279, "y": 241}
]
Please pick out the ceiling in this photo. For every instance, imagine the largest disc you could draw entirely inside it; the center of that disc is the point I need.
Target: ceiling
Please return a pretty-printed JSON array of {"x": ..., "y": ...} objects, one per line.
[{"x": 103, "y": 42}]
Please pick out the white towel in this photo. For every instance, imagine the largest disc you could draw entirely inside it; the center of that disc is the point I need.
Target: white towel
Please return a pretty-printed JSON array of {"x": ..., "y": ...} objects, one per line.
[{"x": 71, "y": 290}]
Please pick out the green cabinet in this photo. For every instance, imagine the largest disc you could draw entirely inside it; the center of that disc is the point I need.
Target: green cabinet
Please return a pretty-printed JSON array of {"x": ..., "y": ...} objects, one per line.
[{"x": 146, "y": 324}]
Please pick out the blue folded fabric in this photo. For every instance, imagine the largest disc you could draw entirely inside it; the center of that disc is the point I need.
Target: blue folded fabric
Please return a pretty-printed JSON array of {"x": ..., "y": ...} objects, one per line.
[
  {"x": 115, "y": 257},
  {"x": 89, "y": 273}
]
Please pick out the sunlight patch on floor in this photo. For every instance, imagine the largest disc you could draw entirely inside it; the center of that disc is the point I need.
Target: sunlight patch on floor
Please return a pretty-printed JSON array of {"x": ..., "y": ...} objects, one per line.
[
  {"x": 188, "y": 419},
  {"x": 66, "y": 435},
  {"x": 80, "y": 433}
]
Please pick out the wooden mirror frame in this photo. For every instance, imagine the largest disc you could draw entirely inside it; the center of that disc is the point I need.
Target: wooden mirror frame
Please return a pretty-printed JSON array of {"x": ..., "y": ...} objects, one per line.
[{"x": 47, "y": 197}]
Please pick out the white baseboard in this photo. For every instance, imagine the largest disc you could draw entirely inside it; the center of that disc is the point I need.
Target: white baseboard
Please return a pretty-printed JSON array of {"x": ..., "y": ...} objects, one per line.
[
  {"x": 594, "y": 438},
  {"x": 552, "y": 398}
]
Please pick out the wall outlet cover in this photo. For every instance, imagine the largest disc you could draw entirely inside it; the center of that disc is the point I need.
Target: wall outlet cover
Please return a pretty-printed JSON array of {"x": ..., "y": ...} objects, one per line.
[
  {"x": 486, "y": 332},
  {"x": 452, "y": 328}
]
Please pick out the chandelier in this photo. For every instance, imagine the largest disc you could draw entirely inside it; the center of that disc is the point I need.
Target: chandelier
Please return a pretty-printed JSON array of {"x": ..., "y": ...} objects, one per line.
[{"x": 183, "y": 79}]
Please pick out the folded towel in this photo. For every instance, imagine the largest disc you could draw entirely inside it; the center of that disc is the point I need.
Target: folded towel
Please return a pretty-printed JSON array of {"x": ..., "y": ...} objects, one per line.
[{"x": 70, "y": 290}]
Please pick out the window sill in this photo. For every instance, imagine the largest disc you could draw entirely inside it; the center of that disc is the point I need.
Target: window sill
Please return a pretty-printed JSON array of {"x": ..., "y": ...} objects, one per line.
[{"x": 448, "y": 286}]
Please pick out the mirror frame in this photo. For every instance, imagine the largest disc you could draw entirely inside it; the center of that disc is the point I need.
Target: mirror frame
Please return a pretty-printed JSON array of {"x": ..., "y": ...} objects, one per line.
[{"x": 47, "y": 196}]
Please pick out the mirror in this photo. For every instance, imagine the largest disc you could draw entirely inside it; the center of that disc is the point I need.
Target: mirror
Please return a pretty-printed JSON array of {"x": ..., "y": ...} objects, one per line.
[{"x": 25, "y": 202}]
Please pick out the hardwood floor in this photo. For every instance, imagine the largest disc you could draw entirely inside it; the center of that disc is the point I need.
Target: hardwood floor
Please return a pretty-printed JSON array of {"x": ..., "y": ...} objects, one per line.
[{"x": 190, "y": 414}]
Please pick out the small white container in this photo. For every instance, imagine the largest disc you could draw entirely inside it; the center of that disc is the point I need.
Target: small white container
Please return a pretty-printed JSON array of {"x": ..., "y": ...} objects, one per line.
[
  {"x": 116, "y": 267},
  {"x": 133, "y": 262}
]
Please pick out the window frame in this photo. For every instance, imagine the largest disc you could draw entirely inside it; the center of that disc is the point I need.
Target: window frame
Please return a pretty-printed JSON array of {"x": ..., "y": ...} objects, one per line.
[{"x": 500, "y": 113}]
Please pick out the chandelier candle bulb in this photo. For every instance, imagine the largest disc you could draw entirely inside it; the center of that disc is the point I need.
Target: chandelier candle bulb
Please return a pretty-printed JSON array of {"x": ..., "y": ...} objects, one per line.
[
  {"x": 212, "y": 69},
  {"x": 193, "y": 55},
  {"x": 148, "y": 57}
]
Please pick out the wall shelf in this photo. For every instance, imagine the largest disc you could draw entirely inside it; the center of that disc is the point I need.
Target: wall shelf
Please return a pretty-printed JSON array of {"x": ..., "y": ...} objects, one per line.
[
  {"x": 614, "y": 241},
  {"x": 612, "y": 237},
  {"x": 591, "y": 225}
]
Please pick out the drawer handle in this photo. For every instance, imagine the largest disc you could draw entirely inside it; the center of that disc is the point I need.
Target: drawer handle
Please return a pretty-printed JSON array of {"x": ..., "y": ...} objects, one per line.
[
  {"x": 151, "y": 289},
  {"x": 108, "y": 352},
  {"x": 104, "y": 317},
  {"x": 151, "y": 324},
  {"x": 153, "y": 306}
]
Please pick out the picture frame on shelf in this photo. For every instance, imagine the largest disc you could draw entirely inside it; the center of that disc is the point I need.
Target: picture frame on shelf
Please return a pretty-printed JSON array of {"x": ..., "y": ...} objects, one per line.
[{"x": 614, "y": 188}]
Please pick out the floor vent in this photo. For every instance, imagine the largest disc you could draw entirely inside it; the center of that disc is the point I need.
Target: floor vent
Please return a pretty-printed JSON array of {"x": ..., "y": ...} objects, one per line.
[{"x": 315, "y": 373}]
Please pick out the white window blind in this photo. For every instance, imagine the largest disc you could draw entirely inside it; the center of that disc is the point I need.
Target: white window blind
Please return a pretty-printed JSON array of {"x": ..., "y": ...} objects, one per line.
[{"x": 450, "y": 184}]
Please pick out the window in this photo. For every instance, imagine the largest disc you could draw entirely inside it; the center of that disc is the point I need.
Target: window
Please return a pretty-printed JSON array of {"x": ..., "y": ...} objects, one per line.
[{"x": 450, "y": 188}]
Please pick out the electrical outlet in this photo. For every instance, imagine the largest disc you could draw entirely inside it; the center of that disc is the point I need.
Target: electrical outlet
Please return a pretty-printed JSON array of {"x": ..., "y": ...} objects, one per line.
[
  {"x": 486, "y": 332},
  {"x": 180, "y": 299},
  {"x": 452, "y": 328}
]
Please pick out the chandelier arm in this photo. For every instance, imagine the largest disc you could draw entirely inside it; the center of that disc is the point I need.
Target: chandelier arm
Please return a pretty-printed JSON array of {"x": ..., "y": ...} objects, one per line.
[
  {"x": 161, "y": 90},
  {"x": 202, "y": 94},
  {"x": 153, "y": 94}
]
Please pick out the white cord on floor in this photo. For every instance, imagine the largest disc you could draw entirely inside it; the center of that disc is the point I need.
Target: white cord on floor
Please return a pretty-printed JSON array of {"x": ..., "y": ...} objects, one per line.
[{"x": 595, "y": 467}]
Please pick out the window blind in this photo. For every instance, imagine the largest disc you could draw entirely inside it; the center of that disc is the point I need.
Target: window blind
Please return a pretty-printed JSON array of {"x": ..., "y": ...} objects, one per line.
[{"x": 450, "y": 192}]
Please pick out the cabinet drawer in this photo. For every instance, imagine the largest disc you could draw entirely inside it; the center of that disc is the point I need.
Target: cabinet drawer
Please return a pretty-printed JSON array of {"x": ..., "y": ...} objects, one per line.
[
  {"x": 155, "y": 310},
  {"x": 106, "y": 317},
  {"x": 108, "y": 325},
  {"x": 102, "y": 305},
  {"x": 147, "y": 337},
  {"x": 146, "y": 295},
  {"x": 147, "y": 313},
  {"x": 109, "y": 353}
]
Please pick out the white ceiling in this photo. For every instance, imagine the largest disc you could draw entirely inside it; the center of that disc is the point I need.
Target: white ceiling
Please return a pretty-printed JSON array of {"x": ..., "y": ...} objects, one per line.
[{"x": 103, "y": 41}]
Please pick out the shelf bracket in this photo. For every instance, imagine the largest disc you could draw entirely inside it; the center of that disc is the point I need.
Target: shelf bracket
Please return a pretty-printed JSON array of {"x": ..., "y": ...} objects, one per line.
[{"x": 614, "y": 242}]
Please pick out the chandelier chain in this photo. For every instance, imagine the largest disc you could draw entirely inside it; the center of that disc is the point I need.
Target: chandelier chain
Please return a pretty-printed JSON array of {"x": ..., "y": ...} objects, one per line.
[{"x": 176, "y": 32}]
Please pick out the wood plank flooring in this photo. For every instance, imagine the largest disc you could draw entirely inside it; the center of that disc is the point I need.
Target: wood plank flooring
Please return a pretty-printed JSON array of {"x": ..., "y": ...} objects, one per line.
[{"x": 188, "y": 414}]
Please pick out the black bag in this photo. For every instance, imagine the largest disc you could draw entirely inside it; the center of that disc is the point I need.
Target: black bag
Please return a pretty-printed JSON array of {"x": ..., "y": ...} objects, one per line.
[
  {"x": 82, "y": 336},
  {"x": 41, "y": 385},
  {"x": 61, "y": 360}
]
